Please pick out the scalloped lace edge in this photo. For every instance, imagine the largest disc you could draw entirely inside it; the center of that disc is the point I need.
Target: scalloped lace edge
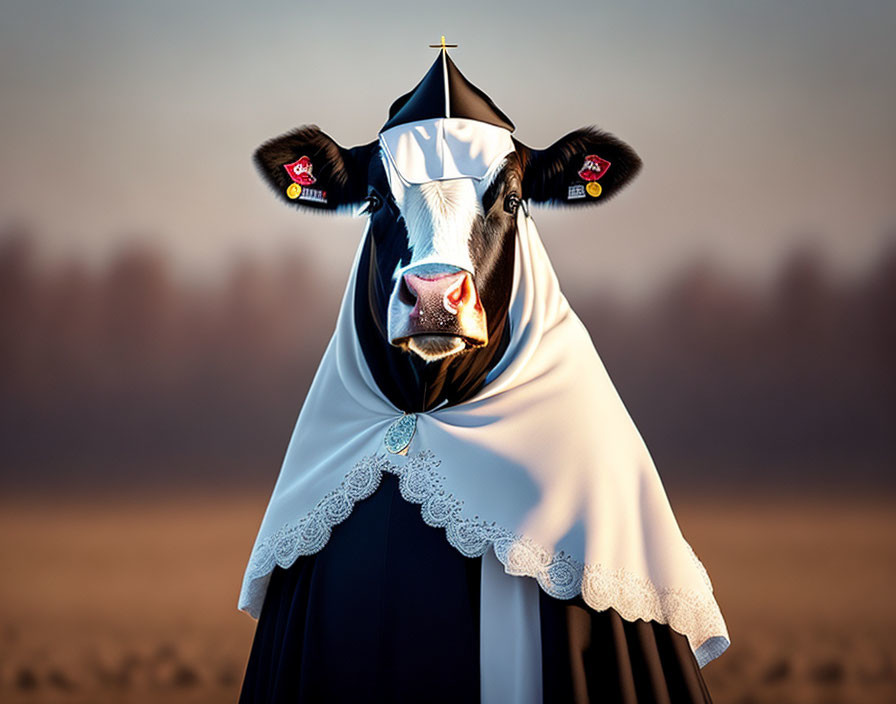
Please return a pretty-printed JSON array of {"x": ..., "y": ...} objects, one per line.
[{"x": 634, "y": 597}]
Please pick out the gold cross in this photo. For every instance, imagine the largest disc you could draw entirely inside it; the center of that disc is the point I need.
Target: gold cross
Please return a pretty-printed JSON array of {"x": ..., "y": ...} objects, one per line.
[{"x": 443, "y": 46}]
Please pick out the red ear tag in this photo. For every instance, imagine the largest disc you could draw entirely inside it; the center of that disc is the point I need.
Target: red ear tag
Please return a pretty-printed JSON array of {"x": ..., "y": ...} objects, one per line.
[
  {"x": 593, "y": 168},
  {"x": 300, "y": 171}
]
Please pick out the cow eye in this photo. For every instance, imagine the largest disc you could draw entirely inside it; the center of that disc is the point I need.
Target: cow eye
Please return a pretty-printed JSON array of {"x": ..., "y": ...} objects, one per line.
[{"x": 511, "y": 203}]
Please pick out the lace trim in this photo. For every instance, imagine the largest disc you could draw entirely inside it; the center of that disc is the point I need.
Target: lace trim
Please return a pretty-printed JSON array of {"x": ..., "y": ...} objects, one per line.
[{"x": 560, "y": 575}]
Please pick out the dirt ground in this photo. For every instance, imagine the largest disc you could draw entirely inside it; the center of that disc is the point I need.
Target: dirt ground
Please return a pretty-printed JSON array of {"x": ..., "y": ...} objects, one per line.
[{"x": 133, "y": 599}]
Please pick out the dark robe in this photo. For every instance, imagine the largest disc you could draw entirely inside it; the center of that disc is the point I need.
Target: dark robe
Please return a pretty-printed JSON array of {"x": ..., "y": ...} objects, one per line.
[{"x": 388, "y": 611}]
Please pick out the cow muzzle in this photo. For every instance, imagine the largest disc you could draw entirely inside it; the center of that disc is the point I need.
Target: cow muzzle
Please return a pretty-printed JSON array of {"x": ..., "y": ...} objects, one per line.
[{"x": 436, "y": 312}]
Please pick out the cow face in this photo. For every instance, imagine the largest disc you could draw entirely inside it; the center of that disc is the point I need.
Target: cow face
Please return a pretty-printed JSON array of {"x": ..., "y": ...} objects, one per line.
[
  {"x": 442, "y": 251},
  {"x": 451, "y": 268}
]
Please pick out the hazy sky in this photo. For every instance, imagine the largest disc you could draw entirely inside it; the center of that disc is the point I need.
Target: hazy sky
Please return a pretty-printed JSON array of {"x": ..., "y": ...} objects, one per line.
[{"x": 762, "y": 124}]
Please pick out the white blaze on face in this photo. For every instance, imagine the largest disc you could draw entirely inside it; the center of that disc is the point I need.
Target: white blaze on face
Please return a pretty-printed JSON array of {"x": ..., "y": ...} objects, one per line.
[{"x": 439, "y": 218}]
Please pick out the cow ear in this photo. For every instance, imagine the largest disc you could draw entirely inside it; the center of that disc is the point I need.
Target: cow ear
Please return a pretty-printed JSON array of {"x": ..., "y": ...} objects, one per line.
[
  {"x": 308, "y": 169},
  {"x": 586, "y": 167}
]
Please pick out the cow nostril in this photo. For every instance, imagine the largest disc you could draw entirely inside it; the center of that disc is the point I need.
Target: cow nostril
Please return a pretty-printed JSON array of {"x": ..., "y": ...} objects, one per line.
[
  {"x": 458, "y": 294},
  {"x": 406, "y": 294}
]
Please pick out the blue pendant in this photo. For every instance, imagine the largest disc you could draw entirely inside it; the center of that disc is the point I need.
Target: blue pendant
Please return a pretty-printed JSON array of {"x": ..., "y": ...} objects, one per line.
[{"x": 399, "y": 434}]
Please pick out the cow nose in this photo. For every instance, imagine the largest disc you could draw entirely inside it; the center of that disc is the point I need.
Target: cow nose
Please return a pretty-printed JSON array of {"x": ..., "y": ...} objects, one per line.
[
  {"x": 446, "y": 291},
  {"x": 436, "y": 308}
]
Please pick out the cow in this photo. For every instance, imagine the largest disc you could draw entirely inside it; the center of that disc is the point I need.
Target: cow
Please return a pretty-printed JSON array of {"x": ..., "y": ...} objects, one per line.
[{"x": 445, "y": 189}]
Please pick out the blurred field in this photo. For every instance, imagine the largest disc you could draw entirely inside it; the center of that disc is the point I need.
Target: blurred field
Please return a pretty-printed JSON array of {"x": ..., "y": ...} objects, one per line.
[{"x": 133, "y": 599}]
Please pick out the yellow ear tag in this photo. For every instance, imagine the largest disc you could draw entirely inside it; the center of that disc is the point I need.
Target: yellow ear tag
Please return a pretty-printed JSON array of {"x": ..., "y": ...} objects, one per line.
[
  {"x": 593, "y": 189},
  {"x": 293, "y": 191}
]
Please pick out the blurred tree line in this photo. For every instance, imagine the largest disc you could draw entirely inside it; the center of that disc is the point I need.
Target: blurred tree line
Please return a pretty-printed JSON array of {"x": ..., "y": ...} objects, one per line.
[{"x": 129, "y": 375}]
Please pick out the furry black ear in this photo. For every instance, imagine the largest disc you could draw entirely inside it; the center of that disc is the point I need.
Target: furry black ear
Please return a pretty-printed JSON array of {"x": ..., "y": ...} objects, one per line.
[
  {"x": 307, "y": 168},
  {"x": 586, "y": 167}
]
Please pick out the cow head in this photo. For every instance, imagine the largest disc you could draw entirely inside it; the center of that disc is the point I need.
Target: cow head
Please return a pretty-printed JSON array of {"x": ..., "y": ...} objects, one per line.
[{"x": 442, "y": 196}]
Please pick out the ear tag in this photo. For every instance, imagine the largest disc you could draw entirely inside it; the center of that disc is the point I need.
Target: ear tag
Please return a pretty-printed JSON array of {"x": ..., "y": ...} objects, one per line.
[
  {"x": 576, "y": 192},
  {"x": 300, "y": 171},
  {"x": 592, "y": 169},
  {"x": 293, "y": 191},
  {"x": 593, "y": 189}
]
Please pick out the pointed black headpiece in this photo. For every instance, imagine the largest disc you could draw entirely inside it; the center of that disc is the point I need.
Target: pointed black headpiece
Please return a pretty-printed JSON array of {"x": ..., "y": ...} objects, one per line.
[{"x": 445, "y": 92}]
